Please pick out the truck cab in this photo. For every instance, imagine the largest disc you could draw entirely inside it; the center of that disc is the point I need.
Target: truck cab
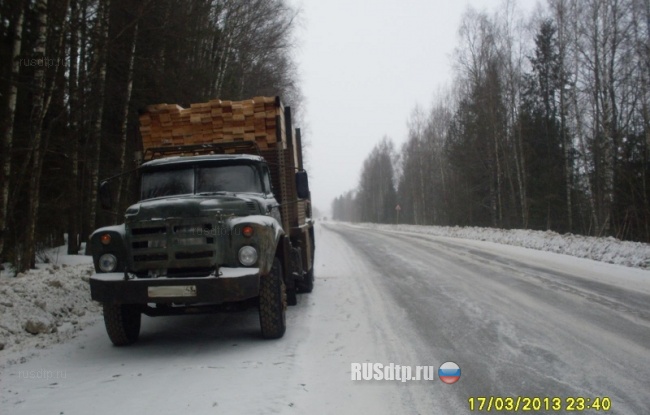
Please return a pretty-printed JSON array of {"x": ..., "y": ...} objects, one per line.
[{"x": 207, "y": 235}]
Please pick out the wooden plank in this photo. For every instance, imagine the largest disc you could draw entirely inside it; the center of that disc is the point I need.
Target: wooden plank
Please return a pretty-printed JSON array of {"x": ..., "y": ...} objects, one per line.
[
  {"x": 212, "y": 121},
  {"x": 145, "y": 119}
]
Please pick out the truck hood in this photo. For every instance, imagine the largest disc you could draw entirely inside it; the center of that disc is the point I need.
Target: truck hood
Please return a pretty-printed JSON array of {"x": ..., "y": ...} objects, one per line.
[{"x": 192, "y": 207}]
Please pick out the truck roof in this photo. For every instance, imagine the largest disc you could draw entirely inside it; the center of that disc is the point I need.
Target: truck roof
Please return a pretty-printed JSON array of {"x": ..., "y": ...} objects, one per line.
[{"x": 201, "y": 159}]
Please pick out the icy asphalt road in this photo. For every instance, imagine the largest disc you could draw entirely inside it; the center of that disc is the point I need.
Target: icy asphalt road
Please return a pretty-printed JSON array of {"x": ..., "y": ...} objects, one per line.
[{"x": 517, "y": 322}]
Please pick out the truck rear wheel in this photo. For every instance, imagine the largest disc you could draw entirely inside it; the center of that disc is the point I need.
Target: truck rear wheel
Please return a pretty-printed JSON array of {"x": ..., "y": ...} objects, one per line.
[
  {"x": 292, "y": 284},
  {"x": 273, "y": 303},
  {"x": 122, "y": 323},
  {"x": 307, "y": 284}
]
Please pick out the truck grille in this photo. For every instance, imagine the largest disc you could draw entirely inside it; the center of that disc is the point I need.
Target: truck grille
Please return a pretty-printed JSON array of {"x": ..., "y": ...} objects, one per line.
[
  {"x": 178, "y": 244},
  {"x": 194, "y": 255},
  {"x": 149, "y": 231}
]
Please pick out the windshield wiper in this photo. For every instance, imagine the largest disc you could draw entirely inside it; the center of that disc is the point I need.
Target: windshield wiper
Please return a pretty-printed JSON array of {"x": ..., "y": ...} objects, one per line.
[{"x": 219, "y": 193}]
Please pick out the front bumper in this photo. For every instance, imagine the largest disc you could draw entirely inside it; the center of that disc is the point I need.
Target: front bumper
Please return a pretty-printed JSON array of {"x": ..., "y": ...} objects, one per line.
[{"x": 232, "y": 285}]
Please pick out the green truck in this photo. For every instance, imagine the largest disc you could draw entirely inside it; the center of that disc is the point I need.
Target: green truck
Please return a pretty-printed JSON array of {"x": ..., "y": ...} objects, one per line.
[{"x": 222, "y": 224}]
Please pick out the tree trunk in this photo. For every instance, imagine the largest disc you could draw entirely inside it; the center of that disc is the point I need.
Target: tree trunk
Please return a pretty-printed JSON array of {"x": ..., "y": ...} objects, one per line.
[
  {"x": 567, "y": 145},
  {"x": 27, "y": 256},
  {"x": 125, "y": 115},
  {"x": 74, "y": 189},
  {"x": 96, "y": 132},
  {"x": 7, "y": 134}
]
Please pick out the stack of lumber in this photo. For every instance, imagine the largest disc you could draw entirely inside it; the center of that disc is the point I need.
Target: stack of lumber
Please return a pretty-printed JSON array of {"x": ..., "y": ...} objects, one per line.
[{"x": 215, "y": 121}]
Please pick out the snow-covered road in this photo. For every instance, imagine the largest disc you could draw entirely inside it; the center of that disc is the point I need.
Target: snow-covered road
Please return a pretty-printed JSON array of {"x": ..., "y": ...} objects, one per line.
[{"x": 518, "y": 323}]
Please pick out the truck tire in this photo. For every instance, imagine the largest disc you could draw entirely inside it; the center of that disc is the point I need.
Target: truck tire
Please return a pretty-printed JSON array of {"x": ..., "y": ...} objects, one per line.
[
  {"x": 273, "y": 303},
  {"x": 292, "y": 297},
  {"x": 292, "y": 283},
  {"x": 122, "y": 323},
  {"x": 307, "y": 284}
]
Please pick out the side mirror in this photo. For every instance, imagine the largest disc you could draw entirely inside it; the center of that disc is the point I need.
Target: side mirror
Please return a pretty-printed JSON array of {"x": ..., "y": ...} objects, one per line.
[
  {"x": 302, "y": 184},
  {"x": 105, "y": 196}
]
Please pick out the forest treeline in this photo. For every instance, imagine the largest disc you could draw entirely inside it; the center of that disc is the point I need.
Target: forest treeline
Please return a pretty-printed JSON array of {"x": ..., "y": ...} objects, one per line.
[
  {"x": 547, "y": 127},
  {"x": 73, "y": 75}
]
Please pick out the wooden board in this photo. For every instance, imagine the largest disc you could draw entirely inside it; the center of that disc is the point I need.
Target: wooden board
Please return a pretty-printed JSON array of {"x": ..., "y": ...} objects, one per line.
[{"x": 214, "y": 121}]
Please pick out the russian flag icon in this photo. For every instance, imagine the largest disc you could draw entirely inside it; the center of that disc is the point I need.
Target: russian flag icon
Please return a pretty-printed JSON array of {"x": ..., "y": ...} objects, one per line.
[{"x": 449, "y": 372}]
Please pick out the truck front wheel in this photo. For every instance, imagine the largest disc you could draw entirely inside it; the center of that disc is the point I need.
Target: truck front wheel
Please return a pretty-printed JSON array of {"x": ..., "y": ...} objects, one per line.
[
  {"x": 122, "y": 323},
  {"x": 273, "y": 303}
]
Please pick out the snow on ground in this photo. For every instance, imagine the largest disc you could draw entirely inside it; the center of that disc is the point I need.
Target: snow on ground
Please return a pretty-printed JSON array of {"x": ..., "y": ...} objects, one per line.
[
  {"x": 502, "y": 312},
  {"x": 610, "y": 250},
  {"x": 52, "y": 303},
  {"x": 220, "y": 364},
  {"x": 46, "y": 305}
]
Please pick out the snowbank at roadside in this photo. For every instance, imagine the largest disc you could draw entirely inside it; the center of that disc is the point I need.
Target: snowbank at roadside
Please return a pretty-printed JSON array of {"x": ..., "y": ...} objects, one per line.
[
  {"x": 46, "y": 305},
  {"x": 610, "y": 250}
]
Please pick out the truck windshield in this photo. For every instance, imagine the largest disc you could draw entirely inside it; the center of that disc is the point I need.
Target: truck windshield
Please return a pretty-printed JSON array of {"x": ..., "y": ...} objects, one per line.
[
  {"x": 167, "y": 183},
  {"x": 210, "y": 179},
  {"x": 239, "y": 179}
]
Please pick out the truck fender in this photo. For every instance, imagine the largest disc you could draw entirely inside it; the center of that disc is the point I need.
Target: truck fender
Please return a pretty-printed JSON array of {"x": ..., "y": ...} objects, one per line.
[
  {"x": 116, "y": 245},
  {"x": 268, "y": 236}
]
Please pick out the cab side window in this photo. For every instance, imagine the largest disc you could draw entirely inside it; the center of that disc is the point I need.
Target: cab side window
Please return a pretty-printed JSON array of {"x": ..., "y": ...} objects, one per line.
[{"x": 266, "y": 179}]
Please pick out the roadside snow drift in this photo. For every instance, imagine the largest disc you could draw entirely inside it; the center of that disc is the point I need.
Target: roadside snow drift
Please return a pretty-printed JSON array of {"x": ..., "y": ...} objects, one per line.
[
  {"x": 45, "y": 306},
  {"x": 610, "y": 250}
]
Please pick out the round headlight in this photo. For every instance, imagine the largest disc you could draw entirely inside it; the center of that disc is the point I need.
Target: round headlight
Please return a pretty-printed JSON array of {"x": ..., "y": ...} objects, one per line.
[
  {"x": 247, "y": 256},
  {"x": 107, "y": 263}
]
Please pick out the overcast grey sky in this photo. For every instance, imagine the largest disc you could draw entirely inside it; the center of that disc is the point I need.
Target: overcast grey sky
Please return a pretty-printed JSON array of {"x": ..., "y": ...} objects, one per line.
[{"x": 364, "y": 65}]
